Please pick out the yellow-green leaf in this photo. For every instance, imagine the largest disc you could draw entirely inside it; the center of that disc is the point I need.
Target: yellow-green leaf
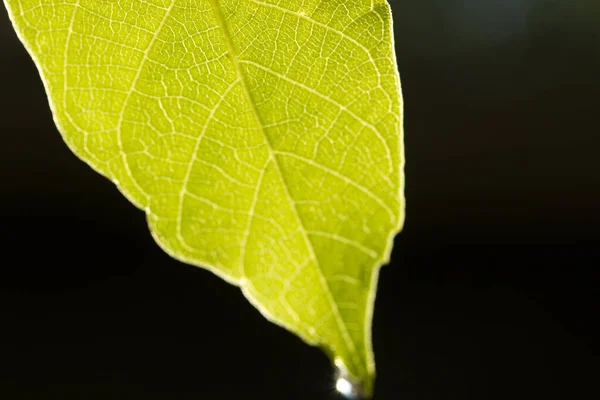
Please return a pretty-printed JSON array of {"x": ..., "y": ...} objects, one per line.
[{"x": 263, "y": 138}]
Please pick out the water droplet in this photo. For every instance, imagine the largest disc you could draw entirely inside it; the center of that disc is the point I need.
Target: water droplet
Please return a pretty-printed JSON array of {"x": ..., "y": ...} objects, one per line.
[
  {"x": 346, "y": 385},
  {"x": 346, "y": 388}
]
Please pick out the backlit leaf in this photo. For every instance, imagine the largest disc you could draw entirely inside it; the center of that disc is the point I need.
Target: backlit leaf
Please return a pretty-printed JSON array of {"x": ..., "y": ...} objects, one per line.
[{"x": 263, "y": 138}]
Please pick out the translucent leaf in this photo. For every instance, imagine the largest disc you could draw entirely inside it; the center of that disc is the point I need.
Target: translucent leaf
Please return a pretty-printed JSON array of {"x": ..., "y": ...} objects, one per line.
[{"x": 263, "y": 138}]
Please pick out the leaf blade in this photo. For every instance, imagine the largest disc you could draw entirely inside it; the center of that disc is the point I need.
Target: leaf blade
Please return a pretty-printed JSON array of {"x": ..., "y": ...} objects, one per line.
[{"x": 263, "y": 140}]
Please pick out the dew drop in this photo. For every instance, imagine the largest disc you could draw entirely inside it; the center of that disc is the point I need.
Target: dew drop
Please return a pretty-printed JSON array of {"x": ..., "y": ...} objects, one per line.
[
  {"x": 346, "y": 385},
  {"x": 346, "y": 388}
]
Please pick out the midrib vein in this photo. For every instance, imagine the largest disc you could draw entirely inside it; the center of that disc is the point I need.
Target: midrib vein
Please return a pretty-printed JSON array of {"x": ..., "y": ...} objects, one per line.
[{"x": 231, "y": 50}]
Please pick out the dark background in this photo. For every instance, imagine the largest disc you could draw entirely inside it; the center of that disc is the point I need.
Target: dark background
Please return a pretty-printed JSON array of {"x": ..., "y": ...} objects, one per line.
[{"x": 489, "y": 293}]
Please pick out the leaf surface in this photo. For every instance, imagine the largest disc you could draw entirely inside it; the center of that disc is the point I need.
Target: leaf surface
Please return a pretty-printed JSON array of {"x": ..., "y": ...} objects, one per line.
[{"x": 263, "y": 138}]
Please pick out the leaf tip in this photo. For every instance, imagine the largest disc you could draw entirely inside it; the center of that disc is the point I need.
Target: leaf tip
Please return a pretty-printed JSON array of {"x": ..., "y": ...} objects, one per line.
[{"x": 351, "y": 387}]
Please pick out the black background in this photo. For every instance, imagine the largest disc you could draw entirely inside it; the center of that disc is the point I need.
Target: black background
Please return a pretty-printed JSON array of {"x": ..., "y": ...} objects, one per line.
[{"x": 490, "y": 291}]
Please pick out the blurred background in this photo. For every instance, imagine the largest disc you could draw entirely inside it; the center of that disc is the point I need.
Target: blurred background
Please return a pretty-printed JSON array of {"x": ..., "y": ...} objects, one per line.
[{"x": 489, "y": 294}]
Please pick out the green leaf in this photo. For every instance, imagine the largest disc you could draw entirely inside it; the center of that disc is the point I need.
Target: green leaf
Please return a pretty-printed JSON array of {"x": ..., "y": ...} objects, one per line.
[{"x": 263, "y": 138}]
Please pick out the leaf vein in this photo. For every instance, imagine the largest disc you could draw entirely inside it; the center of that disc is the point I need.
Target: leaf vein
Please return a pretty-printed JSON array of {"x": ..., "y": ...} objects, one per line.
[
  {"x": 340, "y": 322},
  {"x": 329, "y": 100}
]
